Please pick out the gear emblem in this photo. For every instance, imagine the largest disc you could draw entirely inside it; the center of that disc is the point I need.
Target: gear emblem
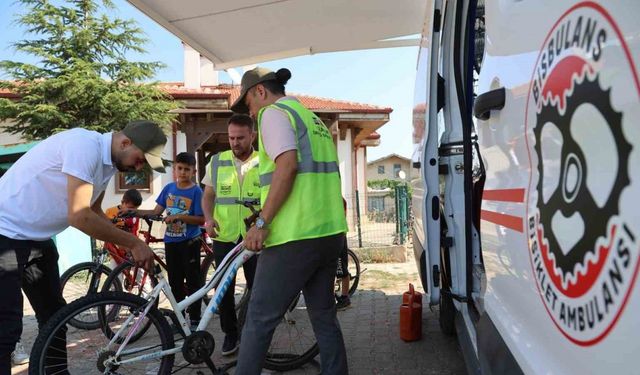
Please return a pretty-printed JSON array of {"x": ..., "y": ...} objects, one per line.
[{"x": 572, "y": 195}]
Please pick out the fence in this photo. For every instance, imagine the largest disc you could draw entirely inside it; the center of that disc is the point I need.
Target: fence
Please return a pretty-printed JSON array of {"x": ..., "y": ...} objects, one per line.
[{"x": 378, "y": 217}]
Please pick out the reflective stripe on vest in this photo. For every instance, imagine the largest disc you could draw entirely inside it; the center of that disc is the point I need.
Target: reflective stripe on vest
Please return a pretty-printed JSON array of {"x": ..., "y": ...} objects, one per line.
[
  {"x": 306, "y": 164},
  {"x": 313, "y": 208}
]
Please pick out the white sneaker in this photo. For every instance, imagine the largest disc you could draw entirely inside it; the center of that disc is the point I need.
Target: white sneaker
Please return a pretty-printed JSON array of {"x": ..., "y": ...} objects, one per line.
[{"x": 19, "y": 356}]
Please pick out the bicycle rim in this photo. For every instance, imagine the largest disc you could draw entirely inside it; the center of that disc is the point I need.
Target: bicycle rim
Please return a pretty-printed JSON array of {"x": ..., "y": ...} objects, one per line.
[
  {"x": 76, "y": 282},
  {"x": 294, "y": 342},
  {"x": 354, "y": 272},
  {"x": 87, "y": 351}
]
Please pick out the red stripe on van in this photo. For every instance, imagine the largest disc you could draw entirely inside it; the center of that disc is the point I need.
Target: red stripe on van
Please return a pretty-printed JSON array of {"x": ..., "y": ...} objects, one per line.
[
  {"x": 504, "y": 195},
  {"x": 511, "y": 222}
]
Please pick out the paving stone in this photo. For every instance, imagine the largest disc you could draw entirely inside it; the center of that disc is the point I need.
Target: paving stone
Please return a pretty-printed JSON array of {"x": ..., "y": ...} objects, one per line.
[{"x": 371, "y": 334}]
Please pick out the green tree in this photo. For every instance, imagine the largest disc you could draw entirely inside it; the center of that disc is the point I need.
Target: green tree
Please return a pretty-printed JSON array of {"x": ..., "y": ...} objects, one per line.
[
  {"x": 82, "y": 77},
  {"x": 387, "y": 184}
]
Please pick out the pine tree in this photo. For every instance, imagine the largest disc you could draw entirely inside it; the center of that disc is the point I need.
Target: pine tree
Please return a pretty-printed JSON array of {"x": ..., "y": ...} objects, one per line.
[{"x": 82, "y": 77}]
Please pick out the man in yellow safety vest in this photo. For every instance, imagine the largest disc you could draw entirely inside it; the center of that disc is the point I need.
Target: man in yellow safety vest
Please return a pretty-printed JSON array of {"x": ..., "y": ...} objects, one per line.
[
  {"x": 231, "y": 175},
  {"x": 302, "y": 225}
]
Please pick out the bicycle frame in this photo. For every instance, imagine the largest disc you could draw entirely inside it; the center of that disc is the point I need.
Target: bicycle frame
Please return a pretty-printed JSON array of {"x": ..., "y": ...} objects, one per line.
[{"x": 222, "y": 277}]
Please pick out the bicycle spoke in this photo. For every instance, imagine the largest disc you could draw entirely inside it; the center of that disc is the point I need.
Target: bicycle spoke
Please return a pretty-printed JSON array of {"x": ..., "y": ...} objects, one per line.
[{"x": 84, "y": 351}]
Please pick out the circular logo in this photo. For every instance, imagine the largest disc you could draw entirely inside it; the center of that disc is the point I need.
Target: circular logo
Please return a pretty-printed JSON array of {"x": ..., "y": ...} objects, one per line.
[{"x": 583, "y": 225}]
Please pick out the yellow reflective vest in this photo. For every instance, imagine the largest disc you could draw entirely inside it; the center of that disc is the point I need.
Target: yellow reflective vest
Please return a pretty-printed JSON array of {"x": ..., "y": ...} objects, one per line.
[
  {"x": 314, "y": 207},
  {"x": 227, "y": 212}
]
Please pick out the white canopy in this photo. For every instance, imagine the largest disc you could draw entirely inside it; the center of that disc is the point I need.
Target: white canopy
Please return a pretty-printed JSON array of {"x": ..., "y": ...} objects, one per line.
[{"x": 233, "y": 33}]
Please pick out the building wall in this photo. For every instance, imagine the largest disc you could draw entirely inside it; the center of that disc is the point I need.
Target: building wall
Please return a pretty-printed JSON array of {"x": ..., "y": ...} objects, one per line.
[{"x": 373, "y": 169}]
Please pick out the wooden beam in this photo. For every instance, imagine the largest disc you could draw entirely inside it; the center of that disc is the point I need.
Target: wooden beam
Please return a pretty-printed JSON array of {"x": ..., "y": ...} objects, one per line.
[
  {"x": 198, "y": 132},
  {"x": 343, "y": 131}
]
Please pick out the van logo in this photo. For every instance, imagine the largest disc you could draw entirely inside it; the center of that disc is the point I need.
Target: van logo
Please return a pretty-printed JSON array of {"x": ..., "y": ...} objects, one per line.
[{"x": 583, "y": 140}]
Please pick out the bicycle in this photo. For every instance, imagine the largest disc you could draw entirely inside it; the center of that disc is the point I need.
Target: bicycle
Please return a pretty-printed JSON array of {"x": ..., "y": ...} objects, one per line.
[
  {"x": 136, "y": 280},
  {"x": 353, "y": 271},
  {"x": 131, "y": 339},
  {"x": 124, "y": 277}
]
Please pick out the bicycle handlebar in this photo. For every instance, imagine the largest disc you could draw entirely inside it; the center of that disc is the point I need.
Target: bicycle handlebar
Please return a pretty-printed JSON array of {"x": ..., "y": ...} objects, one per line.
[{"x": 254, "y": 213}]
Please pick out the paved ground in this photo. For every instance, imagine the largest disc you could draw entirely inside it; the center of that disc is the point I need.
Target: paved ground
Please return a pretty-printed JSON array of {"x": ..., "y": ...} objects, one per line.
[{"x": 370, "y": 329}]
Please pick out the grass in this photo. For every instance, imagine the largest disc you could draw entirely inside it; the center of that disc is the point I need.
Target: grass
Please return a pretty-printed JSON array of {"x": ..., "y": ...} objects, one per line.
[{"x": 377, "y": 279}]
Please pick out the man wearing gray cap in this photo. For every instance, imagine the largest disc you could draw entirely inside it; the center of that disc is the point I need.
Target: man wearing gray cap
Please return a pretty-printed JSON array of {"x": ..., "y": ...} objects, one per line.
[
  {"x": 60, "y": 183},
  {"x": 302, "y": 225}
]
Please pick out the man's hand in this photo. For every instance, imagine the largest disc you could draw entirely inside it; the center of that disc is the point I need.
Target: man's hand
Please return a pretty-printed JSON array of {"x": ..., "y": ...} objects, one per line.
[
  {"x": 142, "y": 256},
  {"x": 254, "y": 240},
  {"x": 211, "y": 227}
]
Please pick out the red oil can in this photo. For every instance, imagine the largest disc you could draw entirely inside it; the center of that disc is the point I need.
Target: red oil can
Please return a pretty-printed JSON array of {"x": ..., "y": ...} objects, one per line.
[{"x": 411, "y": 315}]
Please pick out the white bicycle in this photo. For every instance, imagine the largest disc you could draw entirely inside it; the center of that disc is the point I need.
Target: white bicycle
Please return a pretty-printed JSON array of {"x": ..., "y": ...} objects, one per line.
[{"x": 139, "y": 339}]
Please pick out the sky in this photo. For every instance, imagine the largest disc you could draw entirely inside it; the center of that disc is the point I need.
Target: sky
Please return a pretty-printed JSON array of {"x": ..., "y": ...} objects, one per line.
[{"x": 383, "y": 77}]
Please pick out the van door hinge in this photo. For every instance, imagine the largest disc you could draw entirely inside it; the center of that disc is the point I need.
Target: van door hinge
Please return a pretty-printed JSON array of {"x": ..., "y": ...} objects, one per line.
[
  {"x": 436, "y": 276},
  {"x": 443, "y": 169},
  {"x": 458, "y": 298},
  {"x": 446, "y": 242},
  {"x": 436, "y": 21}
]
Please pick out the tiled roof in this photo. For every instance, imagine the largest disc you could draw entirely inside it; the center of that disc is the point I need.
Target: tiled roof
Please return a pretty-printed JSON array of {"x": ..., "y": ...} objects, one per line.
[
  {"x": 178, "y": 91},
  {"x": 231, "y": 93},
  {"x": 4, "y": 93}
]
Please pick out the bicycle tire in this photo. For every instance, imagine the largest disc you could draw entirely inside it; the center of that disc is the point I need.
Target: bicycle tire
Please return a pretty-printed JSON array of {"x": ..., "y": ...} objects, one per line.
[
  {"x": 354, "y": 280},
  {"x": 38, "y": 364},
  {"x": 92, "y": 269},
  {"x": 128, "y": 287},
  {"x": 279, "y": 361}
]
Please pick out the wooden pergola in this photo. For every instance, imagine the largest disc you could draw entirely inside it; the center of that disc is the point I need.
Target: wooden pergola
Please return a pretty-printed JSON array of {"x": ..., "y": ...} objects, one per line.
[{"x": 205, "y": 114}]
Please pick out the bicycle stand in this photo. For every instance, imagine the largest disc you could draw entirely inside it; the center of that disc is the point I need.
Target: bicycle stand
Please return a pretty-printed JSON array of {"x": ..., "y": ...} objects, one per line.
[{"x": 218, "y": 370}]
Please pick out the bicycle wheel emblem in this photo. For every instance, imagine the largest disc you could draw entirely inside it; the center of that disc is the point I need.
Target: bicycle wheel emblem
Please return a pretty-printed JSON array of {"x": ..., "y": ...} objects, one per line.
[{"x": 582, "y": 228}]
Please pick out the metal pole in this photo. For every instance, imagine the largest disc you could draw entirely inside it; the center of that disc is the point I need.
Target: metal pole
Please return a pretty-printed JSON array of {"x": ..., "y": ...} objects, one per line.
[
  {"x": 403, "y": 213},
  {"x": 358, "y": 219}
]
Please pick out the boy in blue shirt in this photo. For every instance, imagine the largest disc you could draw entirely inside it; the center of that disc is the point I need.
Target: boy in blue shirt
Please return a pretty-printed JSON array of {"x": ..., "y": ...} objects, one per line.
[{"x": 181, "y": 201}]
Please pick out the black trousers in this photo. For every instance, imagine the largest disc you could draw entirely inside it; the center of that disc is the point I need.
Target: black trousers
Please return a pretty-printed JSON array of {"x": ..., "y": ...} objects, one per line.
[
  {"x": 183, "y": 263},
  {"x": 33, "y": 267},
  {"x": 228, "y": 318}
]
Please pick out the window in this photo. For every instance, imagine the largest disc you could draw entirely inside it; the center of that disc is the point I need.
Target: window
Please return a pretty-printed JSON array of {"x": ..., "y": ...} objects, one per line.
[
  {"x": 376, "y": 204},
  {"x": 396, "y": 170},
  {"x": 381, "y": 169},
  {"x": 133, "y": 180}
]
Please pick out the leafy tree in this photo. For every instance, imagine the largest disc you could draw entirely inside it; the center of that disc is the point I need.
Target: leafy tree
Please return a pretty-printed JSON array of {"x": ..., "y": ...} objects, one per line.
[
  {"x": 387, "y": 184},
  {"x": 82, "y": 77}
]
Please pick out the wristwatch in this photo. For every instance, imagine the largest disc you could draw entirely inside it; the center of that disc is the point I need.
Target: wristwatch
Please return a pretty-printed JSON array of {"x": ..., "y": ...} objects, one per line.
[{"x": 260, "y": 223}]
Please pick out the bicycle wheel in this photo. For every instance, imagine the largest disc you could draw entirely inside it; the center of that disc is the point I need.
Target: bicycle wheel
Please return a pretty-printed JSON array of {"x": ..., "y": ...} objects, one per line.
[
  {"x": 354, "y": 274},
  {"x": 61, "y": 348},
  {"x": 134, "y": 281},
  {"x": 293, "y": 343},
  {"x": 208, "y": 268},
  {"x": 354, "y": 271},
  {"x": 81, "y": 280}
]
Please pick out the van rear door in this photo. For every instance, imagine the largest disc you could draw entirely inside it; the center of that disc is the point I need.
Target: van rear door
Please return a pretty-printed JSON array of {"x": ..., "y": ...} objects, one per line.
[{"x": 426, "y": 190}]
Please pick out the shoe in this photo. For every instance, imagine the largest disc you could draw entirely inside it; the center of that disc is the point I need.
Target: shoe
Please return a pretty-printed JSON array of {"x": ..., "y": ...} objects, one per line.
[
  {"x": 19, "y": 356},
  {"x": 230, "y": 344},
  {"x": 343, "y": 302}
]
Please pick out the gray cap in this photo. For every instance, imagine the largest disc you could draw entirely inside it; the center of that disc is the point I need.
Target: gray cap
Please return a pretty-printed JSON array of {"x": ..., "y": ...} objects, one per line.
[
  {"x": 148, "y": 137},
  {"x": 249, "y": 79}
]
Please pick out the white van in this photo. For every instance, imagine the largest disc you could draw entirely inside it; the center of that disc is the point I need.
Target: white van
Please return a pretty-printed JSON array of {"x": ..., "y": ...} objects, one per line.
[{"x": 527, "y": 209}]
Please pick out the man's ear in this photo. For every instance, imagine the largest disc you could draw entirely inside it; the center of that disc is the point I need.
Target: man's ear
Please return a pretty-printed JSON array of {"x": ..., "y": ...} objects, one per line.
[
  {"x": 126, "y": 142},
  {"x": 261, "y": 91}
]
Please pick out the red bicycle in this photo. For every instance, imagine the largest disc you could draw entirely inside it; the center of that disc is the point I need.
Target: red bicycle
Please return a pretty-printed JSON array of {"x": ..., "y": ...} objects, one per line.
[{"x": 92, "y": 277}]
